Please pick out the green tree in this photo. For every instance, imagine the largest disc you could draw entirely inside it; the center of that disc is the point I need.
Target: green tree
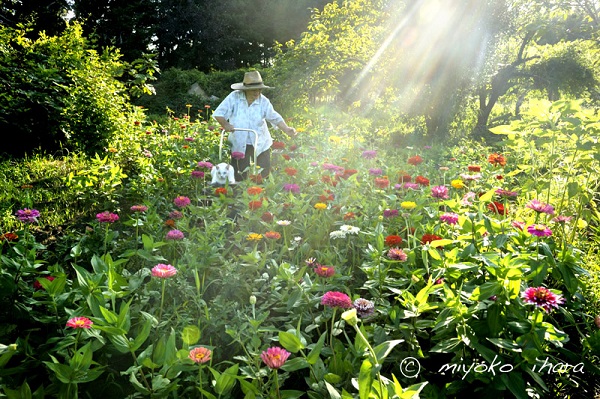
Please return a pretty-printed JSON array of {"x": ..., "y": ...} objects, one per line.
[
  {"x": 57, "y": 93},
  {"x": 43, "y": 15}
]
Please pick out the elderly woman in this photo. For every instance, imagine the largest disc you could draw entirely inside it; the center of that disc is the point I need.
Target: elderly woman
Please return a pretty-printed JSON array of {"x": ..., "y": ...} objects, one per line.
[{"x": 247, "y": 108}]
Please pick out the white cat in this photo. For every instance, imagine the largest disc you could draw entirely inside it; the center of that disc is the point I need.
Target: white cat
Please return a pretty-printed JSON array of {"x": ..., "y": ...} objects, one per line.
[{"x": 222, "y": 173}]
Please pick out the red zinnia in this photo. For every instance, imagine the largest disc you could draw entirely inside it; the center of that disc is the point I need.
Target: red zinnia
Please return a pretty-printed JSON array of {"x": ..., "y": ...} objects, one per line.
[
  {"x": 497, "y": 159},
  {"x": 404, "y": 178},
  {"x": 254, "y": 205},
  {"x": 497, "y": 207},
  {"x": 393, "y": 240},
  {"x": 427, "y": 238},
  {"x": 220, "y": 191},
  {"x": 423, "y": 181},
  {"x": 291, "y": 171},
  {"x": 415, "y": 160},
  {"x": 272, "y": 235},
  {"x": 349, "y": 215},
  {"x": 9, "y": 237},
  {"x": 474, "y": 168},
  {"x": 258, "y": 179},
  {"x": 267, "y": 217},
  {"x": 381, "y": 182},
  {"x": 278, "y": 145},
  {"x": 254, "y": 190}
]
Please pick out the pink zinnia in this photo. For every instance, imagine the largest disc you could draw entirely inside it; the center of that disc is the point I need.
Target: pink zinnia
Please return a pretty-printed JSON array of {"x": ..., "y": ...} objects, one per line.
[
  {"x": 197, "y": 174},
  {"x": 390, "y": 213},
  {"x": 79, "y": 322},
  {"x": 335, "y": 299},
  {"x": 138, "y": 208},
  {"x": 205, "y": 164},
  {"x": 540, "y": 207},
  {"x": 238, "y": 155},
  {"x": 369, "y": 154},
  {"x": 181, "y": 201},
  {"x": 107, "y": 217},
  {"x": 375, "y": 172},
  {"x": 411, "y": 186},
  {"x": 175, "y": 215},
  {"x": 275, "y": 357},
  {"x": 291, "y": 188},
  {"x": 175, "y": 235},
  {"x": 440, "y": 192},
  {"x": 163, "y": 271},
  {"x": 539, "y": 230},
  {"x": 449, "y": 217},
  {"x": 562, "y": 219},
  {"x": 397, "y": 254},
  {"x": 200, "y": 354},
  {"x": 542, "y": 298},
  {"x": 324, "y": 271},
  {"x": 28, "y": 215}
]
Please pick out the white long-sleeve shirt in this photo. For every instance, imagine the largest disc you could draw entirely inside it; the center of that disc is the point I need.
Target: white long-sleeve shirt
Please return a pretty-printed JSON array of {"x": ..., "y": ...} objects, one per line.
[{"x": 235, "y": 109}]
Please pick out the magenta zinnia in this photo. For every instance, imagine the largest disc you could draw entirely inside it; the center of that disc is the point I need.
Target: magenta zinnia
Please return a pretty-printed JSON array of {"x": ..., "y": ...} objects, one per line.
[
  {"x": 175, "y": 235},
  {"x": 542, "y": 297},
  {"x": 449, "y": 217},
  {"x": 540, "y": 207},
  {"x": 181, "y": 201},
  {"x": 28, "y": 215},
  {"x": 163, "y": 271},
  {"x": 539, "y": 230},
  {"x": 79, "y": 322},
  {"x": 274, "y": 357},
  {"x": 440, "y": 192},
  {"x": 200, "y": 354},
  {"x": 335, "y": 299},
  {"x": 107, "y": 217}
]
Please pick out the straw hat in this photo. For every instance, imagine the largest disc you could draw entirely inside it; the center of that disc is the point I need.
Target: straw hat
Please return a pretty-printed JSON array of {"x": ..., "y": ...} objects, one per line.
[{"x": 252, "y": 81}]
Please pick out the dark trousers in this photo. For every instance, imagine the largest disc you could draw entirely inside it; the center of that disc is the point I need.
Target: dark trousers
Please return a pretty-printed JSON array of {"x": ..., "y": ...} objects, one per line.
[{"x": 242, "y": 166}]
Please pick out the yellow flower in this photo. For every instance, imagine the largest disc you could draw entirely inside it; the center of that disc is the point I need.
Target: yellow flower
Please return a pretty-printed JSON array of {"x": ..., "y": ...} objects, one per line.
[
  {"x": 335, "y": 139},
  {"x": 408, "y": 205},
  {"x": 320, "y": 205},
  {"x": 254, "y": 237},
  {"x": 582, "y": 224},
  {"x": 457, "y": 183}
]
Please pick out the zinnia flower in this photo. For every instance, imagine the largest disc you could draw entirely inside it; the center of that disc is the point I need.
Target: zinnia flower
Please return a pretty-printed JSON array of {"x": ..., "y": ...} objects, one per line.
[
  {"x": 375, "y": 172},
  {"x": 390, "y": 213},
  {"x": 267, "y": 217},
  {"x": 474, "y": 168},
  {"x": 369, "y": 154},
  {"x": 364, "y": 307},
  {"x": 497, "y": 159},
  {"x": 290, "y": 171},
  {"x": 272, "y": 235},
  {"x": 181, "y": 201},
  {"x": 335, "y": 299},
  {"x": 457, "y": 183},
  {"x": 254, "y": 190},
  {"x": 163, "y": 271},
  {"x": 420, "y": 180},
  {"x": 138, "y": 208},
  {"x": 324, "y": 271},
  {"x": 79, "y": 322},
  {"x": 408, "y": 205},
  {"x": 176, "y": 215},
  {"x": 539, "y": 230},
  {"x": 220, "y": 191},
  {"x": 397, "y": 254},
  {"x": 107, "y": 217},
  {"x": 274, "y": 357},
  {"x": 175, "y": 235},
  {"x": 428, "y": 238},
  {"x": 506, "y": 194},
  {"x": 238, "y": 155},
  {"x": 320, "y": 206},
  {"x": 440, "y": 192},
  {"x": 346, "y": 228},
  {"x": 497, "y": 207},
  {"x": 278, "y": 145},
  {"x": 9, "y": 237},
  {"x": 381, "y": 182},
  {"x": 284, "y": 222},
  {"x": 200, "y": 355},
  {"x": 562, "y": 219},
  {"x": 291, "y": 188},
  {"x": 542, "y": 298},
  {"x": 28, "y": 215},
  {"x": 540, "y": 207},
  {"x": 393, "y": 240},
  {"x": 415, "y": 160},
  {"x": 449, "y": 217},
  {"x": 197, "y": 174},
  {"x": 254, "y": 237},
  {"x": 254, "y": 205},
  {"x": 205, "y": 164}
]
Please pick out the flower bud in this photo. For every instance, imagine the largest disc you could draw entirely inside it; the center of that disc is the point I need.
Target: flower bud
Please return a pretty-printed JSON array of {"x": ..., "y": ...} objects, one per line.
[
  {"x": 350, "y": 317},
  {"x": 252, "y": 300}
]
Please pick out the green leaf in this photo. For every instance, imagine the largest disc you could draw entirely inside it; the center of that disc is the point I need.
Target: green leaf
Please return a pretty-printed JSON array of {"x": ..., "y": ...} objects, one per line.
[
  {"x": 446, "y": 346},
  {"x": 514, "y": 382},
  {"x": 225, "y": 381},
  {"x": 290, "y": 341},
  {"x": 507, "y": 344},
  {"x": 297, "y": 363},
  {"x": 365, "y": 379},
  {"x": 290, "y": 394},
  {"x": 315, "y": 352},
  {"x": 142, "y": 335},
  {"x": 383, "y": 350}
]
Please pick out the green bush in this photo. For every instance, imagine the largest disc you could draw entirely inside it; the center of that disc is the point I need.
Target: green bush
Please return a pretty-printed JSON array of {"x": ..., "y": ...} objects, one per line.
[{"x": 56, "y": 93}]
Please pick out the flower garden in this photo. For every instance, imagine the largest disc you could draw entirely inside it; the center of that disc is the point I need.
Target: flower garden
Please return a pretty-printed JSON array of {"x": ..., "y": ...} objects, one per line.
[{"x": 358, "y": 269}]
